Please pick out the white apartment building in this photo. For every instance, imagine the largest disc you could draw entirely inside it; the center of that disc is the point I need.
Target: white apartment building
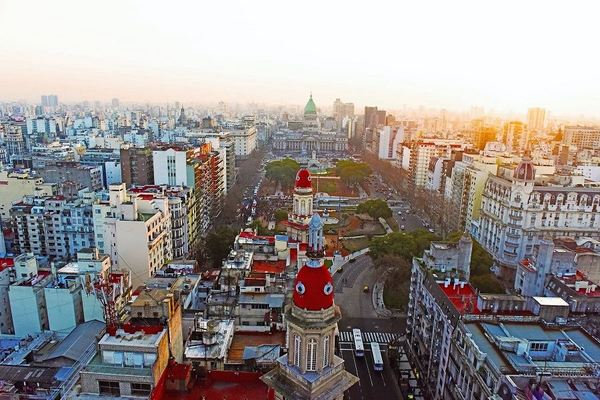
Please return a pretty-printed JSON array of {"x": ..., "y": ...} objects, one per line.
[
  {"x": 170, "y": 167},
  {"x": 134, "y": 231},
  {"x": 244, "y": 141},
  {"x": 14, "y": 185},
  {"x": 28, "y": 304},
  {"x": 517, "y": 212}
]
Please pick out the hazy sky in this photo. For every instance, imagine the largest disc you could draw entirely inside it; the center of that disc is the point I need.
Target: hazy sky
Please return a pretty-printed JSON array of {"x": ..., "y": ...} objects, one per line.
[{"x": 506, "y": 55}]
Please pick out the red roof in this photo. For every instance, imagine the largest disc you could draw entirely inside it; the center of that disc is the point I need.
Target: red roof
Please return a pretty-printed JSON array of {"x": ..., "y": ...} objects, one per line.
[
  {"x": 252, "y": 236},
  {"x": 464, "y": 299},
  {"x": 217, "y": 385},
  {"x": 313, "y": 288},
  {"x": 303, "y": 179},
  {"x": 268, "y": 267},
  {"x": 6, "y": 262}
]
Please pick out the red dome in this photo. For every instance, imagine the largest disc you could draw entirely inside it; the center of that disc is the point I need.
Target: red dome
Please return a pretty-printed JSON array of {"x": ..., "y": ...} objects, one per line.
[
  {"x": 313, "y": 287},
  {"x": 525, "y": 171},
  {"x": 303, "y": 179}
]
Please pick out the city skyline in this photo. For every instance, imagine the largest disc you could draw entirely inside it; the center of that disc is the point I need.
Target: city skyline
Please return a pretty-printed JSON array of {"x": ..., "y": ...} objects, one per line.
[{"x": 274, "y": 54}]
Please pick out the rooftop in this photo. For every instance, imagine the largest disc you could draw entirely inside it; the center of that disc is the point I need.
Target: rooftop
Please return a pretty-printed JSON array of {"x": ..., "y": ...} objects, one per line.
[
  {"x": 130, "y": 336},
  {"x": 550, "y": 301},
  {"x": 223, "y": 385},
  {"x": 269, "y": 267},
  {"x": 242, "y": 340},
  {"x": 462, "y": 295}
]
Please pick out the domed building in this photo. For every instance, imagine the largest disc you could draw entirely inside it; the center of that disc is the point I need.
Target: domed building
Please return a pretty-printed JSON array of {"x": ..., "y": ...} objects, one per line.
[
  {"x": 310, "y": 114},
  {"x": 310, "y": 369},
  {"x": 518, "y": 211},
  {"x": 307, "y": 135}
]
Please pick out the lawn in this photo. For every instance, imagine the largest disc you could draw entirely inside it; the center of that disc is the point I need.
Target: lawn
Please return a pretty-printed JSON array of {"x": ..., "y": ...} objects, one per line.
[{"x": 353, "y": 245}]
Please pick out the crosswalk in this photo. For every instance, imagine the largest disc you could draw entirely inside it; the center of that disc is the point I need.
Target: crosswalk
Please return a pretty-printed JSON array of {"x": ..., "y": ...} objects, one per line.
[{"x": 380, "y": 337}]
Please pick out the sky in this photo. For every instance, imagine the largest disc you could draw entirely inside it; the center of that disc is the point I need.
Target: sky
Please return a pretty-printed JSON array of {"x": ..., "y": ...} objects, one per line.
[{"x": 503, "y": 55}]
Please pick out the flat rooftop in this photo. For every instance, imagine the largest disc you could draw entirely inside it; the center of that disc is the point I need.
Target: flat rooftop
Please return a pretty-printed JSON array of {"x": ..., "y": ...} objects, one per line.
[
  {"x": 241, "y": 340},
  {"x": 138, "y": 339},
  {"x": 463, "y": 298}
]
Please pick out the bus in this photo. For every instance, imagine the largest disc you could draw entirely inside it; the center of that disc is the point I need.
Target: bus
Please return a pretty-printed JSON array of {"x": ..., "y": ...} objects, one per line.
[
  {"x": 359, "y": 349},
  {"x": 377, "y": 359}
]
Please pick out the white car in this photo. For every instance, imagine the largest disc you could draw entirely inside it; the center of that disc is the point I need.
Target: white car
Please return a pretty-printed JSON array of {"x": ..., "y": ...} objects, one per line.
[{"x": 402, "y": 227}]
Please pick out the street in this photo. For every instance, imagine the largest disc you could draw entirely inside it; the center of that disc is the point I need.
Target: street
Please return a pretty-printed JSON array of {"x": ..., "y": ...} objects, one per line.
[{"x": 358, "y": 312}]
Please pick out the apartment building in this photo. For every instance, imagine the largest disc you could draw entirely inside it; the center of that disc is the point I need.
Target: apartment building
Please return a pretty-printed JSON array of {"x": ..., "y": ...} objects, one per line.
[
  {"x": 129, "y": 363},
  {"x": 134, "y": 231},
  {"x": 517, "y": 212}
]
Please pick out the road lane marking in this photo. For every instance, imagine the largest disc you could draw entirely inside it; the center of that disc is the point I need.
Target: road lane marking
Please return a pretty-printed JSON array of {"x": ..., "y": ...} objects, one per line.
[
  {"x": 368, "y": 372},
  {"x": 356, "y": 369}
]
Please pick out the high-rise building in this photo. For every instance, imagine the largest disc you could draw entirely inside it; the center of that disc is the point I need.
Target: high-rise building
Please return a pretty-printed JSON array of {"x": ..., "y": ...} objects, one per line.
[
  {"x": 137, "y": 166},
  {"x": 483, "y": 135},
  {"x": 515, "y": 136},
  {"x": 584, "y": 137},
  {"x": 536, "y": 118},
  {"x": 115, "y": 103},
  {"x": 135, "y": 232}
]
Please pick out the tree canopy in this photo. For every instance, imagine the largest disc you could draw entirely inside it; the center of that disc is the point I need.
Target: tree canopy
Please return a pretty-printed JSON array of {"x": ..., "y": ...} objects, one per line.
[
  {"x": 352, "y": 172},
  {"x": 376, "y": 208},
  {"x": 402, "y": 244},
  {"x": 218, "y": 244},
  {"x": 282, "y": 172},
  {"x": 280, "y": 215}
]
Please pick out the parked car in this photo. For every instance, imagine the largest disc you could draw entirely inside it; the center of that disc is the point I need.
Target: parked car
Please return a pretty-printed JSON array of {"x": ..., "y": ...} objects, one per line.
[
  {"x": 366, "y": 289},
  {"x": 402, "y": 227}
]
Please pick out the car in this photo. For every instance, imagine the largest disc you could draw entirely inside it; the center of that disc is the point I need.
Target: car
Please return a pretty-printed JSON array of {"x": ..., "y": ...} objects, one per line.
[
  {"x": 399, "y": 212},
  {"x": 340, "y": 270},
  {"x": 366, "y": 289},
  {"x": 431, "y": 230},
  {"x": 402, "y": 227},
  {"x": 352, "y": 260},
  {"x": 403, "y": 219}
]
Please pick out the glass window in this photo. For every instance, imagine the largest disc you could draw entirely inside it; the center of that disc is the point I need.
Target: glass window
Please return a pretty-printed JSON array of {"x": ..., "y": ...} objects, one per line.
[
  {"x": 297, "y": 349},
  {"x": 109, "y": 387},
  {"x": 141, "y": 389},
  {"x": 325, "y": 351},
  {"x": 311, "y": 355}
]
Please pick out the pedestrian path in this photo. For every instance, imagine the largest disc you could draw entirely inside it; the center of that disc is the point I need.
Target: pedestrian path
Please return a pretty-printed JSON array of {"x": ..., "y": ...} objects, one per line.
[{"x": 384, "y": 338}]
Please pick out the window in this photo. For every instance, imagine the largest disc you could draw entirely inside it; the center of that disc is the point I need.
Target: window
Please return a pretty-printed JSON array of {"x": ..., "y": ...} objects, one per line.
[
  {"x": 325, "y": 351},
  {"x": 311, "y": 355},
  {"x": 141, "y": 389},
  {"x": 297, "y": 349},
  {"x": 538, "y": 346},
  {"x": 109, "y": 387}
]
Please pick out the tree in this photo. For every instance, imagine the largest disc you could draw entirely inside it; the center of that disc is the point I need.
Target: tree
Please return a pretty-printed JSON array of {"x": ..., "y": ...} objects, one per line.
[
  {"x": 351, "y": 172},
  {"x": 280, "y": 215},
  {"x": 282, "y": 172},
  {"x": 401, "y": 244},
  {"x": 218, "y": 244},
  {"x": 376, "y": 208}
]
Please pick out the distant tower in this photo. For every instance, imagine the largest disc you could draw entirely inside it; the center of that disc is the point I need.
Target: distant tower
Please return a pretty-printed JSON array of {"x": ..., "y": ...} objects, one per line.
[
  {"x": 182, "y": 121},
  {"x": 310, "y": 369},
  {"x": 302, "y": 208}
]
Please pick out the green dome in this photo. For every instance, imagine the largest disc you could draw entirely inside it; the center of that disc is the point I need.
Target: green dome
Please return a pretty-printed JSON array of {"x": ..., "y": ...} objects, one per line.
[{"x": 310, "y": 107}]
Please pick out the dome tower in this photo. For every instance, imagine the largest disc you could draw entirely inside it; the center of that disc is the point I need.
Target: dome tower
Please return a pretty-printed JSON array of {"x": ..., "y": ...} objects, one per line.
[
  {"x": 310, "y": 369},
  {"x": 302, "y": 206}
]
